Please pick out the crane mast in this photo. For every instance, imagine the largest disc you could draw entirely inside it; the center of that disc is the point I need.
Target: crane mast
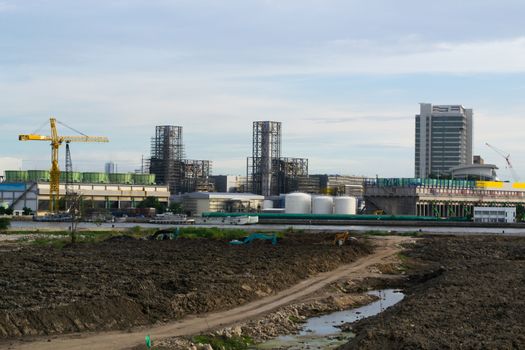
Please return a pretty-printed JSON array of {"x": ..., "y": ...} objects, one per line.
[{"x": 56, "y": 141}]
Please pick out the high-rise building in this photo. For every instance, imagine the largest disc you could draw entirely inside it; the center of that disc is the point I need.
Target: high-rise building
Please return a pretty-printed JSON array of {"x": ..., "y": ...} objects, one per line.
[
  {"x": 110, "y": 168},
  {"x": 443, "y": 139}
]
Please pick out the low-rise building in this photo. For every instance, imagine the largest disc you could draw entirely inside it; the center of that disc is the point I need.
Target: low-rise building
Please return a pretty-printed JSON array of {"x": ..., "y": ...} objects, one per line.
[
  {"x": 495, "y": 214},
  {"x": 35, "y": 195},
  {"x": 196, "y": 203},
  {"x": 442, "y": 198}
]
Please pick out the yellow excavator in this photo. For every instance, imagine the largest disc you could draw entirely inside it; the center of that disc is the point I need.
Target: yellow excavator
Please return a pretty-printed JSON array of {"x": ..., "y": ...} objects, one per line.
[{"x": 56, "y": 142}]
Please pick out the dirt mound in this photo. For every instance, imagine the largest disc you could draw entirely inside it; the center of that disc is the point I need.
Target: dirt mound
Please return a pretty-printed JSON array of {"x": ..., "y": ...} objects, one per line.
[
  {"x": 469, "y": 296},
  {"x": 123, "y": 238},
  {"x": 124, "y": 283}
]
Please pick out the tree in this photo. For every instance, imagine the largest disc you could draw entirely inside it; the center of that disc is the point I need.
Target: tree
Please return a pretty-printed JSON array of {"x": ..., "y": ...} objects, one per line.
[
  {"x": 176, "y": 208},
  {"x": 152, "y": 202},
  {"x": 520, "y": 212},
  {"x": 6, "y": 211},
  {"x": 27, "y": 211}
]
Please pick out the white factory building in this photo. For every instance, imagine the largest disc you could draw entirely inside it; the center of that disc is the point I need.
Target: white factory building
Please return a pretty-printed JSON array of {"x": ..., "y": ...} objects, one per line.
[{"x": 35, "y": 195}]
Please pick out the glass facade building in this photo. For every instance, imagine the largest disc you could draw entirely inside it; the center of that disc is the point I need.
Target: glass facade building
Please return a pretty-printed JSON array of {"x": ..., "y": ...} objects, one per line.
[{"x": 443, "y": 139}]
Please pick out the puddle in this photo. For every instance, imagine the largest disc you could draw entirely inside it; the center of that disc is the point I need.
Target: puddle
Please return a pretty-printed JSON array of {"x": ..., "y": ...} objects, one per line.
[{"x": 321, "y": 333}]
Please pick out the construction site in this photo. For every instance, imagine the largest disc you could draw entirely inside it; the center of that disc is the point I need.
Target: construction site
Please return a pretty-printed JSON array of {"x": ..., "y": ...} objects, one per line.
[{"x": 323, "y": 261}]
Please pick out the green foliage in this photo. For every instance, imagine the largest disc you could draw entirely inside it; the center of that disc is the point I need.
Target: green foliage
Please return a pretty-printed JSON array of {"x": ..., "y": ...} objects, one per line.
[
  {"x": 4, "y": 223},
  {"x": 391, "y": 233},
  {"x": 520, "y": 212},
  {"x": 224, "y": 343},
  {"x": 27, "y": 211},
  {"x": 176, "y": 208},
  {"x": 295, "y": 319},
  {"x": 216, "y": 233},
  {"x": 212, "y": 232},
  {"x": 152, "y": 202},
  {"x": 6, "y": 211}
]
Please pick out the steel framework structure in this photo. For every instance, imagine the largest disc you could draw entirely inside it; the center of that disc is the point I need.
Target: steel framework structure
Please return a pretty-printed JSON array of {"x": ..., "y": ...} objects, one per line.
[
  {"x": 195, "y": 175},
  {"x": 266, "y": 149},
  {"x": 167, "y": 152}
]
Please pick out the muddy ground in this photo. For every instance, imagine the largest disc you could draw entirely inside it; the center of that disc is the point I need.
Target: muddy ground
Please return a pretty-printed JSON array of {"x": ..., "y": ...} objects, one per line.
[
  {"x": 465, "y": 293},
  {"x": 119, "y": 284}
]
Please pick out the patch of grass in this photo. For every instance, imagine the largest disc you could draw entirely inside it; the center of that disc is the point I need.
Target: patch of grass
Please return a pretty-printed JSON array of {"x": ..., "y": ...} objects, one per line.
[
  {"x": 391, "y": 233},
  {"x": 223, "y": 343},
  {"x": 216, "y": 233},
  {"x": 295, "y": 319}
]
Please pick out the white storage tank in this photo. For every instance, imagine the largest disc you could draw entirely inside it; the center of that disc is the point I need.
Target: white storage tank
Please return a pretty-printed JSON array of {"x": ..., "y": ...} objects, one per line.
[
  {"x": 345, "y": 205},
  {"x": 267, "y": 204},
  {"x": 322, "y": 205},
  {"x": 298, "y": 203}
]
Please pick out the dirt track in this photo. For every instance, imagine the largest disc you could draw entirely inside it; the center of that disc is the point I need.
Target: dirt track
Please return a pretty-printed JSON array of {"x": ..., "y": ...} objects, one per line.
[
  {"x": 467, "y": 295},
  {"x": 124, "y": 284},
  {"x": 192, "y": 325}
]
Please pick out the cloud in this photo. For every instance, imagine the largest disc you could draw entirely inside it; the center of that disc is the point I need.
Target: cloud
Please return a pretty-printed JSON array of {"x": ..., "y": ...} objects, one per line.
[{"x": 6, "y": 6}]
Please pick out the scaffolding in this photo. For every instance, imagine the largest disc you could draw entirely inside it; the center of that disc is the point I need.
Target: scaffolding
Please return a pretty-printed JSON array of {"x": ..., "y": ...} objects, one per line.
[
  {"x": 195, "y": 176},
  {"x": 169, "y": 166},
  {"x": 266, "y": 149},
  {"x": 167, "y": 152},
  {"x": 286, "y": 172}
]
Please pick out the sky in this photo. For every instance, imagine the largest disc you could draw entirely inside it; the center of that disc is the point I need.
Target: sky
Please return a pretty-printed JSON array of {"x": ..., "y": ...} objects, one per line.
[{"x": 345, "y": 78}]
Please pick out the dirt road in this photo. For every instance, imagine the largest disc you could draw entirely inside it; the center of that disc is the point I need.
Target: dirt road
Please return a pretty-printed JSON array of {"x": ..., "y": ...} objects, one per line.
[{"x": 195, "y": 324}]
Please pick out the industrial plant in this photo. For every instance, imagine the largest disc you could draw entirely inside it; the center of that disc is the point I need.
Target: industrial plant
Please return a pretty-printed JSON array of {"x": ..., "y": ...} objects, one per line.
[{"x": 450, "y": 182}]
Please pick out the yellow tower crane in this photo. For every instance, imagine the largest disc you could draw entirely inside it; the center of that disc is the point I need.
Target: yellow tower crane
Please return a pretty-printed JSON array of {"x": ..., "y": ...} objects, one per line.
[{"x": 56, "y": 142}]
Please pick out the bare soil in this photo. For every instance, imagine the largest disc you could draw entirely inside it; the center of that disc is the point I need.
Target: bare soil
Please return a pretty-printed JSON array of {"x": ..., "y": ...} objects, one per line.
[
  {"x": 464, "y": 293},
  {"x": 120, "y": 284}
]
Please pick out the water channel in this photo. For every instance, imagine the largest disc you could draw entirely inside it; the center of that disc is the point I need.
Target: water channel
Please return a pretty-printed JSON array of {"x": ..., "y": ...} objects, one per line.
[{"x": 321, "y": 332}]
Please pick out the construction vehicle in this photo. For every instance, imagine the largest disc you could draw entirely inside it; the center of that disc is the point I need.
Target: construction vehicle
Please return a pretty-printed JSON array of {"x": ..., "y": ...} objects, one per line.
[
  {"x": 341, "y": 238},
  {"x": 56, "y": 142},
  {"x": 165, "y": 234},
  {"x": 268, "y": 237}
]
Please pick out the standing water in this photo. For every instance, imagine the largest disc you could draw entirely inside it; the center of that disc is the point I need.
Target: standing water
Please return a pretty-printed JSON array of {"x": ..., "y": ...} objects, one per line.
[{"x": 321, "y": 332}]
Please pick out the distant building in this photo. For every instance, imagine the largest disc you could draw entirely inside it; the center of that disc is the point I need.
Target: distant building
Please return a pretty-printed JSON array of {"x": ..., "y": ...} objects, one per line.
[
  {"x": 196, "y": 203},
  {"x": 438, "y": 197},
  {"x": 110, "y": 168},
  {"x": 495, "y": 214},
  {"x": 478, "y": 160},
  {"x": 443, "y": 139},
  {"x": 229, "y": 183},
  {"x": 337, "y": 185},
  {"x": 474, "y": 172}
]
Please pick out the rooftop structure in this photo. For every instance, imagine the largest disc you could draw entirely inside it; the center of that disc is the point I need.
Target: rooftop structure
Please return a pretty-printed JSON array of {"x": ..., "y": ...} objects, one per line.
[{"x": 443, "y": 139}]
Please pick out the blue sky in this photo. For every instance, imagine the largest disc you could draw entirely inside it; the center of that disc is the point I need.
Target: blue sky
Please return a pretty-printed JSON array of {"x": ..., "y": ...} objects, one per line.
[{"x": 344, "y": 77}]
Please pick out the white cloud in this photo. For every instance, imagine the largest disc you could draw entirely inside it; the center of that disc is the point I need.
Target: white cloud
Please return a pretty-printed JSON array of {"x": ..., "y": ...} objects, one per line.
[{"x": 9, "y": 163}]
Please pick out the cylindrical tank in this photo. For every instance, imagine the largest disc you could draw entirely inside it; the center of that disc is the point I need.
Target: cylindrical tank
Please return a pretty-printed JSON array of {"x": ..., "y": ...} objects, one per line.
[
  {"x": 38, "y": 175},
  {"x": 120, "y": 178},
  {"x": 76, "y": 177},
  {"x": 345, "y": 205},
  {"x": 95, "y": 178},
  {"x": 298, "y": 203},
  {"x": 144, "y": 179},
  {"x": 322, "y": 205},
  {"x": 16, "y": 176},
  {"x": 267, "y": 204}
]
